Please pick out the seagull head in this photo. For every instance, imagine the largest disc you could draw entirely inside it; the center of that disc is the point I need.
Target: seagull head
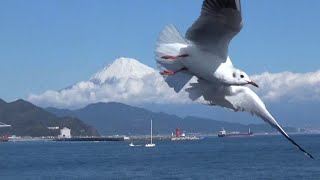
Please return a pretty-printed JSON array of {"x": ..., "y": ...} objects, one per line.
[{"x": 241, "y": 78}]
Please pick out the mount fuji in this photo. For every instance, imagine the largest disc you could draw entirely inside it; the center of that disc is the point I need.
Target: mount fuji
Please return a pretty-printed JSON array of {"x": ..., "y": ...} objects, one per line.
[
  {"x": 122, "y": 69},
  {"x": 125, "y": 80},
  {"x": 128, "y": 81}
]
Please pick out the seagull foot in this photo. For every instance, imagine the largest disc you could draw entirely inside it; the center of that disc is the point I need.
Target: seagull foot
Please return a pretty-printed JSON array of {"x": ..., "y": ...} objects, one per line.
[
  {"x": 167, "y": 72},
  {"x": 174, "y": 57}
]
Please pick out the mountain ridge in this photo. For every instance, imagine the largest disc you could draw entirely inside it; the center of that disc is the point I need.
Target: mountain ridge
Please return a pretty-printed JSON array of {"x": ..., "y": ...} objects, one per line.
[
  {"x": 118, "y": 118},
  {"x": 26, "y": 119}
]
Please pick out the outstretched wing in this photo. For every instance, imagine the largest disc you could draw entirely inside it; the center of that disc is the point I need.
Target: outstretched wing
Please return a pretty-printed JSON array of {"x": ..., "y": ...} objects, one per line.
[
  {"x": 219, "y": 22},
  {"x": 237, "y": 98}
]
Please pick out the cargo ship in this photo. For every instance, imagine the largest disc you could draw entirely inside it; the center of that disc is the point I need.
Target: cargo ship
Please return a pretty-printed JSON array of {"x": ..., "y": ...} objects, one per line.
[{"x": 223, "y": 133}]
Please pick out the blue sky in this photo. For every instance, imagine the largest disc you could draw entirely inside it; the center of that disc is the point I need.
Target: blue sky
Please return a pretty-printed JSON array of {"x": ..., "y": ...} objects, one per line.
[{"x": 53, "y": 44}]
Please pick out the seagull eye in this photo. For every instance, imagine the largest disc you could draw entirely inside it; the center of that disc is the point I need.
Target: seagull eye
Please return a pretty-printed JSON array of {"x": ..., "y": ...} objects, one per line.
[
  {"x": 242, "y": 76},
  {"x": 234, "y": 75}
]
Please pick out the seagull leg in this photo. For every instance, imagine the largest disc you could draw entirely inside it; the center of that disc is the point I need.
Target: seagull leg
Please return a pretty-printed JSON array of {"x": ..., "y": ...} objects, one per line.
[
  {"x": 167, "y": 72},
  {"x": 174, "y": 57}
]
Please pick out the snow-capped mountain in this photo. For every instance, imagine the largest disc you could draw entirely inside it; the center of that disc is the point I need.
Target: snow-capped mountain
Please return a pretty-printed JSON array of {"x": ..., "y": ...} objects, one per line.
[
  {"x": 128, "y": 81},
  {"x": 125, "y": 80},
  {"x": 122, "y": 68}
]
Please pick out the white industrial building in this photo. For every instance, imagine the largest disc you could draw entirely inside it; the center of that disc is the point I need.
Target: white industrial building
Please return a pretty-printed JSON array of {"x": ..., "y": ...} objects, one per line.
[{"x": 65, "y": 133}]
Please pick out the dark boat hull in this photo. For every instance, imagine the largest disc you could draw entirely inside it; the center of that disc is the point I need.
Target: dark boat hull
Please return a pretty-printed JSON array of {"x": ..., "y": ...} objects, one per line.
[{"x": 236, "y": 135}]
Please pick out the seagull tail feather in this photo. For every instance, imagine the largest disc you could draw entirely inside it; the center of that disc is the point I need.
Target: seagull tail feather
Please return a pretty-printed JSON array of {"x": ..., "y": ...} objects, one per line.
[
  {"x": 169, "y": 44},
  {"x": 168, "y": 57}
]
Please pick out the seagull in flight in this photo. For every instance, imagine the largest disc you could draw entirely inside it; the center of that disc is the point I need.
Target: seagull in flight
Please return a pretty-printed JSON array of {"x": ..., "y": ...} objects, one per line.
[{"x": 200, "y": 60}]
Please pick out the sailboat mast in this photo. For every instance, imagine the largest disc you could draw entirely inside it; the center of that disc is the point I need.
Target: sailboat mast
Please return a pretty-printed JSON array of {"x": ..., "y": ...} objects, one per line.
[{"x": 151, "y": 131}]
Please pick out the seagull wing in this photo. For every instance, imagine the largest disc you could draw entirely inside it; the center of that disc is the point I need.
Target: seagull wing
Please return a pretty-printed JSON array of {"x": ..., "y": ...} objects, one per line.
[
  {"x": 219, "y": 22},
  {"x": 237, "y": 98}
]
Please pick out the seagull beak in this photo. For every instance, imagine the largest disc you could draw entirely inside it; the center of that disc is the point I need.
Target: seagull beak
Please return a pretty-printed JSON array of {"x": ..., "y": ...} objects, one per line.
[{"x": 253, "y": 84}]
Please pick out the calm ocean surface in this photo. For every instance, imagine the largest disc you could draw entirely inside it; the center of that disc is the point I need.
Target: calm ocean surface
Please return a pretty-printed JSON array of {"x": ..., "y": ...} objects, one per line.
[{"x": 259, "y": 157}]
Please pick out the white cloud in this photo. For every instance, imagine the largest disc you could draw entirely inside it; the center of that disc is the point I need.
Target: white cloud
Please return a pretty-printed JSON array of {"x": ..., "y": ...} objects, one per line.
[
  {"x": 149, "y": 88},
  {"x": 137, "y": 83},
  {"x": 288, "y": 85}
]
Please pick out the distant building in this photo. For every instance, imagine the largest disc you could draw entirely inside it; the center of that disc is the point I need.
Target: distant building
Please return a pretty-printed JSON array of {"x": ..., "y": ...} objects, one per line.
[
  {"x": 53, "y": 128},
  {"x": 4, "y": 125},
  {"x": 65, "y": 133},
  {"x": 183, "y": 134}
]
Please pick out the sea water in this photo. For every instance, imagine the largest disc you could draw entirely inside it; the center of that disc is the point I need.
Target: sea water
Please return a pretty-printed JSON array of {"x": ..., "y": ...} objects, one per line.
[{"x": 258, "y": 157}]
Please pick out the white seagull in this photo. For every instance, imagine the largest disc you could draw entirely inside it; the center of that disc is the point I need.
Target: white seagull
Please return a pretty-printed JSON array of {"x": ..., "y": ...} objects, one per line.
[{"x": 204, "y": 54}]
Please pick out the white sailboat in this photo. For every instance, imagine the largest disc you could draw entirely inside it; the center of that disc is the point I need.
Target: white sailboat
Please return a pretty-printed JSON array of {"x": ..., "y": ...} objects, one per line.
[{"x": 151, "y": 144}]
